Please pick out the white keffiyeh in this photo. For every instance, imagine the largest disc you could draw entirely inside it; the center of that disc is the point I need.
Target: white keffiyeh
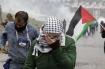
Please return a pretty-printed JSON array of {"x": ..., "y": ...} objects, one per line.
[{"x": 51, "y": 25}]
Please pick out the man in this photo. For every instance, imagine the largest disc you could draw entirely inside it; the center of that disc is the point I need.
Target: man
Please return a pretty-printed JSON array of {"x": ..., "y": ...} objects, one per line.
[
  {"x": 102, "y": 25},
  {"x": 64, "y": 25},
  {"x": 102, "y": 29},
  {"x": 19, "y": 35},
  {"x": 0, "y": 14},
  {"x": 52, "y": 49}
]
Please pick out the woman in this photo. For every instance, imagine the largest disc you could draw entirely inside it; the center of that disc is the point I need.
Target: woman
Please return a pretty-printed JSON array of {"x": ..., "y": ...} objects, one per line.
[{"x": 52, "y": 49}]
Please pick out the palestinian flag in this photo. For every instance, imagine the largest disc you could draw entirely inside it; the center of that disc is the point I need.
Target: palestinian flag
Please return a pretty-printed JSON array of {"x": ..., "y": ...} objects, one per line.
[{"x": 79, "y": 23}]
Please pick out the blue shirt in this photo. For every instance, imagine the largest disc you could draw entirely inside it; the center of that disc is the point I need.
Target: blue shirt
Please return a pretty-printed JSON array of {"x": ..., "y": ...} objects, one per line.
[{"x": 9, "y": 34}]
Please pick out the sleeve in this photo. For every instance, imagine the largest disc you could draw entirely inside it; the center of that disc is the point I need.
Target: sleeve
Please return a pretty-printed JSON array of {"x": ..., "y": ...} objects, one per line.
[
  {"x": 66, "y": 59},
  {"x": 102, "y": 30},
  {"x": 3, "y": 37},
  {"x": 36, "y": 33},
  {"x": 30, "y": 61},
  {"x": 103, "y": 34}
]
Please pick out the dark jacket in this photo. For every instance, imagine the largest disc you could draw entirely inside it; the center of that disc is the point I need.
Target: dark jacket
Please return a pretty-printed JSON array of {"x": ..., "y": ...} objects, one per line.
[{"x": 103, "y": 33}]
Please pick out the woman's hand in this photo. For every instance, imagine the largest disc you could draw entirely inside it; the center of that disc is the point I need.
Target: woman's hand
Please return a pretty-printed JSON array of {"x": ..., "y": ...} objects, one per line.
[{"x": 48, "y": 39}]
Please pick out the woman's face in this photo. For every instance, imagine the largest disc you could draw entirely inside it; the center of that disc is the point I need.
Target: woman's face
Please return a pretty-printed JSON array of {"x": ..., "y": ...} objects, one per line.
[
  {"x": 51, "y": 38},
  {"x": 53, "y": 35}
]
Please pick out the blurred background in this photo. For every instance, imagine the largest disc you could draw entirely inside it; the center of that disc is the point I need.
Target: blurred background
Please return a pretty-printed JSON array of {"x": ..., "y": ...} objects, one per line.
[{"x": 90, "y": 52}]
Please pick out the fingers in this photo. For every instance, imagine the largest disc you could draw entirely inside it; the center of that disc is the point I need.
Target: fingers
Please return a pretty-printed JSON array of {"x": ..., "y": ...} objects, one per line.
[
  {"x": 103, "y": 28},
  {"x": 3, "y": 50},
  {"x": 58, "y": 38},
  {"x": 48, "y": 39}
]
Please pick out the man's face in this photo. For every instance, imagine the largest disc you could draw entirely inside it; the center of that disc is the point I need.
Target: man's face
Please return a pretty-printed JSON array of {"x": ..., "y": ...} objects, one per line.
[{"x": 20, "y": 24}]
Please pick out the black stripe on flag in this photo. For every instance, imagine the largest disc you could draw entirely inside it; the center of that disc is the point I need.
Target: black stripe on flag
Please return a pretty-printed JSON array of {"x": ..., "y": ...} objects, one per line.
[{"x": 76, "y": 18}]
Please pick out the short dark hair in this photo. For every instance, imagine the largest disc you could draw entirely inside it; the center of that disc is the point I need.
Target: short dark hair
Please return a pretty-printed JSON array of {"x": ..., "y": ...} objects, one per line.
[{"x": 21, "y": 15}]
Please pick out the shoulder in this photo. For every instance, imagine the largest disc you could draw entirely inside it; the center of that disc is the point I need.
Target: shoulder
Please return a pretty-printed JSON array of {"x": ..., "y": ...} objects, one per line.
[
  {"x": 32, "y": 30},
  {"x": 31, "y": 27},
  {"x": 33, "y": 43},
  {"x": 9, "y": 25},
  {"x": 69, "y": 39}
]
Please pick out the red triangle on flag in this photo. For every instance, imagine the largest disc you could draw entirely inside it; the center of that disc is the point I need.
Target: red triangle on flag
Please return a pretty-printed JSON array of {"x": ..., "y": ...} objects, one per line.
[{"x": 86, "y": 16}]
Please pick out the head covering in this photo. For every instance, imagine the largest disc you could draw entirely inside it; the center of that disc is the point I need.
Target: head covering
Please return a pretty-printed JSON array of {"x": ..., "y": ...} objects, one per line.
[{"x": 52, "y": 25}]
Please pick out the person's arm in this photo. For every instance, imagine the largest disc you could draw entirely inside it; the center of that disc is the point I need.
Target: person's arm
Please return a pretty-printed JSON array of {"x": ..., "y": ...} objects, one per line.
[
  {"x": 30, "y": 62},
  {"x": 102, "y": 31},
  {"x": 36, "y": 33},
  {"x": 66, "y": 59},
  {"x": 3, "y": 39},
  {"x": 103, "y": 34}
]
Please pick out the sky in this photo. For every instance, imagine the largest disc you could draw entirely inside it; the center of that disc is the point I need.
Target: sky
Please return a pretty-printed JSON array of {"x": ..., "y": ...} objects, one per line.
[{"x": 37, "y": 9}]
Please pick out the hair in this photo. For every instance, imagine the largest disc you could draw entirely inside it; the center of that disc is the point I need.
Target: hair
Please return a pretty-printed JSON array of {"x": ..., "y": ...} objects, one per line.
[
  {"x": 21, "y": 15},
  {"x": 11, "y": 17}
]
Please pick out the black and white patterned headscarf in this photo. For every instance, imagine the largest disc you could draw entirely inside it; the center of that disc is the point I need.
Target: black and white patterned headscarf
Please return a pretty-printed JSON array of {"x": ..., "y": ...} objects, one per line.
[{"x": 51, "y": 25}]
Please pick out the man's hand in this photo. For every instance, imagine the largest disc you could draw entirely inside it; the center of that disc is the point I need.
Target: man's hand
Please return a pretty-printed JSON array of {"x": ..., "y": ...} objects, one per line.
[
  {"x": 4, "y": 50},
  {"x": 103, "y": 28}
]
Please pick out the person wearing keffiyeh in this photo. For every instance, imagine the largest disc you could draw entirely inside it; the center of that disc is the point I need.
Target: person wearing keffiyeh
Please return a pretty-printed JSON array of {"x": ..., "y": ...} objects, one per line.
[{"x": 52, "y": 49}]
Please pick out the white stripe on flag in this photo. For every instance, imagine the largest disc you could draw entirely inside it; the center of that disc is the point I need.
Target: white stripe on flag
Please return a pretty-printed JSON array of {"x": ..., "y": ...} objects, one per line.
[{"x": 78, "y": 29}]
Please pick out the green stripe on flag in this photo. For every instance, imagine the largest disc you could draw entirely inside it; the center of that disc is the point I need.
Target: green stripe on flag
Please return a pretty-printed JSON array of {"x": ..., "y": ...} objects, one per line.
[{"x": 85, "y": 28}]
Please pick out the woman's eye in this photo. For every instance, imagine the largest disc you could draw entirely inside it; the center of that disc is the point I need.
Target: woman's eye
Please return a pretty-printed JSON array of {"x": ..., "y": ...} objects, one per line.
[{"x": 53, "y": 37}]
